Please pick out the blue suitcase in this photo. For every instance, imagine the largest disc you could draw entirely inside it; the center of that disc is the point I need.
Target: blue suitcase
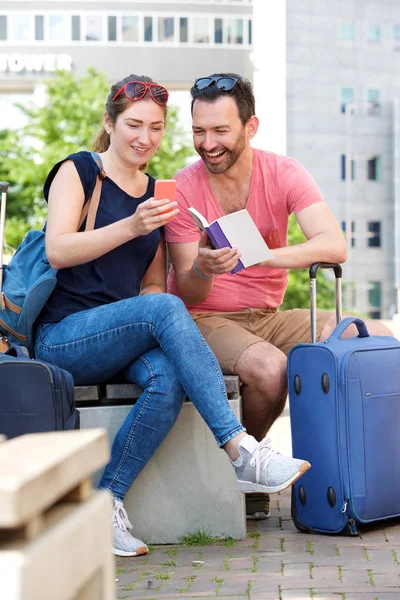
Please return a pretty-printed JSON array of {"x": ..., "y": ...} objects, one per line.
[
  {"x": 35, "y": 395},
  {"x": 344, "y": 396}
]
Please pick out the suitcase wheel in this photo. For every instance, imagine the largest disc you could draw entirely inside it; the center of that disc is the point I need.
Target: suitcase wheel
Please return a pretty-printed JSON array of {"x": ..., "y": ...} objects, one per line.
[
  {"x": 325, "y": 383},
  {"x": 331, "y": 497},
  {"x": 297, "y": 384},
  {"x": 299, "y": 526}
]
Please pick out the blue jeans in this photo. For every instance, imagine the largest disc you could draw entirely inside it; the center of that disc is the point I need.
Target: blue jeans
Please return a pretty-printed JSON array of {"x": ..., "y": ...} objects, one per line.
[{"x": 152, "y": 341}]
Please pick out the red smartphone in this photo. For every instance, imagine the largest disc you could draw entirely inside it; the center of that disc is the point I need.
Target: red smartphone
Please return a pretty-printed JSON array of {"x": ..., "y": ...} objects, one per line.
[{"x": 165, "y": 188}]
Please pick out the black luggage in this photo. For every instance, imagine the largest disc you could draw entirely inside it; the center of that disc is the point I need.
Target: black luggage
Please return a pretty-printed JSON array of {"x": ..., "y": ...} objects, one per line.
[{"x": 35, "y": 396}]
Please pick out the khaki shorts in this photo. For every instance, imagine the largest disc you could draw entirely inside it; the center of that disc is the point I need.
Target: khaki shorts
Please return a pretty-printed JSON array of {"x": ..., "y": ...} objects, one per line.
[{"x": 230, "y": 333}]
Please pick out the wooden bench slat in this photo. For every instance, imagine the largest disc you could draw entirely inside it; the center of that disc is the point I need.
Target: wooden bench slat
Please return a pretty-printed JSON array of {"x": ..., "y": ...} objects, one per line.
[
  {"x": 122, "y": 391},
  {"x": 86, "y": 393},
  {"x": 94, "y": 394}
]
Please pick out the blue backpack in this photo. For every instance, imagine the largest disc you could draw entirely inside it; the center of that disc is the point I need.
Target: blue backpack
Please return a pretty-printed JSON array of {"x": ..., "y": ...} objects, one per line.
[{"x": 27, "y": 282}]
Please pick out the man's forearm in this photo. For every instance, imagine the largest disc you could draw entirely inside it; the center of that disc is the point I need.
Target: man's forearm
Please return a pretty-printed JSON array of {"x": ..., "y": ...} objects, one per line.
[
  {"x": 321, "y": 248},
  {"x": 194, "y": 285}
]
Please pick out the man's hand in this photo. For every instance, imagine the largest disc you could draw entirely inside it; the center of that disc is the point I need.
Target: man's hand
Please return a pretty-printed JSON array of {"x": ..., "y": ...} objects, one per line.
[{"x": 215, "y": 262}]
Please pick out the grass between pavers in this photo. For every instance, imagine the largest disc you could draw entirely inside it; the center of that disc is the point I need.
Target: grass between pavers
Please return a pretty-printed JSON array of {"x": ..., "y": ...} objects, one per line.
[
  {"x": 190, "y": 579},
  {"x": 219, "y": 581},
  {"x": 255, "y": 561},
  {"x": 226, "y": 566},
  {"x": 371, "y": 577},
  {"x": 256, "y": 536},
  {"x": 200, "y": 537}
]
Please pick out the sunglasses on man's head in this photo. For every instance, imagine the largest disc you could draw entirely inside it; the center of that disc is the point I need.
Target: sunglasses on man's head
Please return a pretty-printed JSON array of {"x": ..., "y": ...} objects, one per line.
[
  {"x": 225, "y": 84},
  {"x": 136, "y": 90}
]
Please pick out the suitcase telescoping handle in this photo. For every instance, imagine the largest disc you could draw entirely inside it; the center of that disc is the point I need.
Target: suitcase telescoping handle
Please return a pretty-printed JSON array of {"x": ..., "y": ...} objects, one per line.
[
  {"x": 3, "y": 188},
  {"x": 313, "y": 294}
]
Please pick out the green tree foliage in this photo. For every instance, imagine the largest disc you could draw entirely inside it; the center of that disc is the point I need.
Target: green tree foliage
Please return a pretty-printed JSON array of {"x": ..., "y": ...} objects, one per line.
[
  {"x": 68, "y": 122},
  {"x": 298, "y": 289}
]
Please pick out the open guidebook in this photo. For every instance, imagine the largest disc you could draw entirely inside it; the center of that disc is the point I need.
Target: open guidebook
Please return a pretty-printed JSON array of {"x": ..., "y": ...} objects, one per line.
[{"x": 236, "y": 229}]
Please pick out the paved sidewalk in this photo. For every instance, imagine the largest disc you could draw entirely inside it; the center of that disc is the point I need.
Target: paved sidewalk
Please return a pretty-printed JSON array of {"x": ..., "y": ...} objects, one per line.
[{"x": 276, "y": 562}]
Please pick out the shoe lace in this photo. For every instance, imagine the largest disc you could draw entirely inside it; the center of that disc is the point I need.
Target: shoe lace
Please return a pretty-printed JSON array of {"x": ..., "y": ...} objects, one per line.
[
  {"x": 262, "y": 456},
  {"x": 120, "y": 518}
]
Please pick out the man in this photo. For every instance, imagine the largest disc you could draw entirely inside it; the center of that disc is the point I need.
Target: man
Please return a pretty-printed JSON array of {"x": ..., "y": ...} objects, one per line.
[{"x": 238, "y": 314}]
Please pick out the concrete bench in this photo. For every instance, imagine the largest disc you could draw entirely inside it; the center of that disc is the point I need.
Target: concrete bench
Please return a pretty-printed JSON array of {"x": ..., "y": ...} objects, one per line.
[{"x": 189, "y": 484}]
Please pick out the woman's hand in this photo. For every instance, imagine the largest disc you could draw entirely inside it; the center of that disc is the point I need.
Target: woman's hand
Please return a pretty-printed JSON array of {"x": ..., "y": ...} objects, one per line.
[{"x": 151, "y": 215}]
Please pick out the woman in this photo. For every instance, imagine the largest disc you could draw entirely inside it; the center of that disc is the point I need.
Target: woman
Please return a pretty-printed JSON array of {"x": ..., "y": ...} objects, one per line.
[{"x": 109, "y": 315}]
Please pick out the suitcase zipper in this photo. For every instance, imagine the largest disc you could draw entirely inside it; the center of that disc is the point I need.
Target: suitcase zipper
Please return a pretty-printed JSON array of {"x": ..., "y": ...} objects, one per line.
[
  {"x": 346, "y": 509},
  {"x": 351, "y": 526}
]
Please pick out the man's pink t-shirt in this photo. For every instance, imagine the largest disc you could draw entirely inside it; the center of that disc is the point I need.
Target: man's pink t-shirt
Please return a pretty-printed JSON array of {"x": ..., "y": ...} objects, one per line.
[{"x": 279, "y": 186}]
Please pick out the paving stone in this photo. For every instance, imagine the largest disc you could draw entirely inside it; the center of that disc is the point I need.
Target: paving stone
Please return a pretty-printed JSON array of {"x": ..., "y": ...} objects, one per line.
[
  {"x": 389, "y": 579},
  {"x": 310, "y": 566},
  {"x": 302, "y": 594},
  {"x": 242, "y": 563},
  {"x": 373, "y": 596}
]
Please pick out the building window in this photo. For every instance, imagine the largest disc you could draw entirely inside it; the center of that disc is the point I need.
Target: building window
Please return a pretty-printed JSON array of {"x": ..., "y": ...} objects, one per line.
[
  {"x": 94, "y": 28},
  {"x": 250, "y": 32},
  {"x": 76, "y": 28},
  {"x": 166, "y": 29},
  {"x": 112, "y": 29},
  {"x": 3, "y": 27},
  {"x": 183, "y": 29},
  {"x": 374, "y": 234},
  {"x": 39, "y": 28},
  {"x": 373, "y": 34},
  {"x": 396, "y": 33},
  {"x": 373, "y": 169},
  {"x": 200, "y": 31},
  {"x": 58, "y": 28},
  {"x": 346, "y": 98},
  {"x": 353, "y": 232},
  {"x": 218, "y": 31},
  {"x": 347, "y": 31},
  {"x": 374, "y": 294},
  {"x": 234, "y": 31},
  {"x": 374, "y": 102},
  {"x": 148, "y": 29},
  {"x": 21, "y": 28},
  {"x": 343, "y": 168},
  {"x": 130, "y": 29}
]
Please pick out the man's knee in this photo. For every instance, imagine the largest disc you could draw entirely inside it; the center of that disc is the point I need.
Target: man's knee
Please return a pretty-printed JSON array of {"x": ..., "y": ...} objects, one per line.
[{"x": 265, "y": 367}]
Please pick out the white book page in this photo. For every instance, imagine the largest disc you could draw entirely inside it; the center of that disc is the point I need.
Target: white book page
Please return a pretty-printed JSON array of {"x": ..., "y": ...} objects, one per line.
[
  {"x": 242, "y": 232},
  {"x": 198, "y": 218}
]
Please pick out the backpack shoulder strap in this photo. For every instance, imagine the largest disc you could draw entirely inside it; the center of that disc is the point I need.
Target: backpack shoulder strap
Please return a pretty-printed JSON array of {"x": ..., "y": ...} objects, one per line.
[{"x": 91, "y": 206}]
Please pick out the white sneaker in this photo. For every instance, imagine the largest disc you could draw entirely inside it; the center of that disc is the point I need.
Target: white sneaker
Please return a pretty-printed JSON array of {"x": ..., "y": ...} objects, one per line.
[
  {"x": 124, "y": 542},
  {"x": 259, "y": 468}
]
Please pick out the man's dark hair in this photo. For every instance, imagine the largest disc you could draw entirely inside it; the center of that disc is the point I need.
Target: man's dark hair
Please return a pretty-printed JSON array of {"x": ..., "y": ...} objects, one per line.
[{"x": 242, "y": 93}]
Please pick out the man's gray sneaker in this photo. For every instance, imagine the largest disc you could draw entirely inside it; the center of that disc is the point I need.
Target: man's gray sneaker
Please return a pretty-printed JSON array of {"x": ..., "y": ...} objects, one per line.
[
  {"x": 257, "y": 507},
  {"x": 259, "y": 468},
  {"x": 124, "y": 542}
]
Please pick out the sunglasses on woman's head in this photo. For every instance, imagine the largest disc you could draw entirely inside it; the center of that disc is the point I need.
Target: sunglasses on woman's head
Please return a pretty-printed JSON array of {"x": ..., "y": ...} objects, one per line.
[
  {"x": 136, "y": 90},
  {"x": 225, "y": 84}
]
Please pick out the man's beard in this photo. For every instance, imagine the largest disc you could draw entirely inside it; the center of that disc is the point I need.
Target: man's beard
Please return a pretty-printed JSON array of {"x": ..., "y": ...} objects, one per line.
[{"x": 229, "y": 158}]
